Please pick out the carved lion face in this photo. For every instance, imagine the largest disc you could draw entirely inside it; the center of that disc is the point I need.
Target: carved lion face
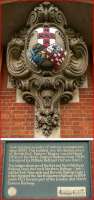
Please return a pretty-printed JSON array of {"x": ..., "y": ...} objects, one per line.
[{"x": 47, "y": 96}]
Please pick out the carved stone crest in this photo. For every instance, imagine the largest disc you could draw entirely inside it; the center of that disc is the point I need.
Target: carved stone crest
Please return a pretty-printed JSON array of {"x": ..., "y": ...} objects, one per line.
[{"x": 47, "y": 61}]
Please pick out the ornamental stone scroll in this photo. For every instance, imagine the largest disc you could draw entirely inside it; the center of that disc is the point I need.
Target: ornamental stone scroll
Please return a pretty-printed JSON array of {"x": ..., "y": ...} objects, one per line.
[{"x": 47, "y": 61}]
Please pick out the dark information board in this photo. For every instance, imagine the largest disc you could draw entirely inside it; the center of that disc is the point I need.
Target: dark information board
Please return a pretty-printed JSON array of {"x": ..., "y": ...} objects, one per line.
[{"x": 47, "y": 169}]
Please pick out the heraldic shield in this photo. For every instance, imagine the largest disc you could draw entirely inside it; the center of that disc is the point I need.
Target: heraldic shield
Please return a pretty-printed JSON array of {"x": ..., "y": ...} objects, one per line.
[{"x": 47, "y": 61}]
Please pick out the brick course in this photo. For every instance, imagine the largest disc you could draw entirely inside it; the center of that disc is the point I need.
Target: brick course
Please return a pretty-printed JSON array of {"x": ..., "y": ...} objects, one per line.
[{"x": 17, "y": 119}]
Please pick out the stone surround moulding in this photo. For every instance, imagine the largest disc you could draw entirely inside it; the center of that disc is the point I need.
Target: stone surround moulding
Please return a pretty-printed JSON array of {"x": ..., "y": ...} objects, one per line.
[{"x": 47, "y": 61}]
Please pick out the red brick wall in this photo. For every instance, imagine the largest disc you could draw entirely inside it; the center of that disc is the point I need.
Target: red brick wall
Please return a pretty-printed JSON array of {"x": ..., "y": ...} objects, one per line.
[
  {"x": 77, "y": 118},
  {"x": 9, "y": 1},
  {"x": 17, "y": 119}
]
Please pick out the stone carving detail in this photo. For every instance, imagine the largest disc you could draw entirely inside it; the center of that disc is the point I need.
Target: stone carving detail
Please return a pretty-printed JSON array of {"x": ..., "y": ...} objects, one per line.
[{"x": 47, "y": 61}]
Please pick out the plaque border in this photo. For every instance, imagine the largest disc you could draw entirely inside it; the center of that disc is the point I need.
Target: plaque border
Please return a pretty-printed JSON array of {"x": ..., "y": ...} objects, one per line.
[{"x": 91, "y": 165}]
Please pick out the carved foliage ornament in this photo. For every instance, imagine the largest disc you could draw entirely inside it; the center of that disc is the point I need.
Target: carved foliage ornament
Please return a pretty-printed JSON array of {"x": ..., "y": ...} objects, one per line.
[{"x": 47, "y": 61}]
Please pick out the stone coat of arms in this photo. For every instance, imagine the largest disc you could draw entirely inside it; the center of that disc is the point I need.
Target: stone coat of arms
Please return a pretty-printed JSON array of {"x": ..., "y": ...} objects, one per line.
[{"x": 47, "y": 61}]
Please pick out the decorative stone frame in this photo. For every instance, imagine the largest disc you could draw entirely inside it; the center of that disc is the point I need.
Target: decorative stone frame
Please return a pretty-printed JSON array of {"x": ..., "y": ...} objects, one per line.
[{"x": 43, "y": 84}]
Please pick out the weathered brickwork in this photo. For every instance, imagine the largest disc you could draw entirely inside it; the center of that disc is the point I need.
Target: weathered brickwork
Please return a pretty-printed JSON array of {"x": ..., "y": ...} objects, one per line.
[{"x": 17, "y": 119}]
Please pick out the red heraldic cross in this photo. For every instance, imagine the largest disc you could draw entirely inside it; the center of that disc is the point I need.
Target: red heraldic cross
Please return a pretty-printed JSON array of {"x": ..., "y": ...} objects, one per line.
[{"x": 46, "y": 36}]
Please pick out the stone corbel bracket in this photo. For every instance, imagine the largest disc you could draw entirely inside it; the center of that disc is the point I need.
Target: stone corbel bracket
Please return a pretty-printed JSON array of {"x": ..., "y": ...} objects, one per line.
[{"x": 47, "y": 61}]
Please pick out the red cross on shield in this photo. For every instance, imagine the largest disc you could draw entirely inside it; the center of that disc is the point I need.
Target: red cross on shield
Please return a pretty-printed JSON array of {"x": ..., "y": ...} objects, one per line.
[{"x": 46, "y": 36}]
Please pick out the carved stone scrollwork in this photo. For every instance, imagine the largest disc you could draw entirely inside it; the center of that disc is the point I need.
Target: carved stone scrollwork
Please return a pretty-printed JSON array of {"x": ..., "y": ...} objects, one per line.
[{"x": 47, "y": 61}]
